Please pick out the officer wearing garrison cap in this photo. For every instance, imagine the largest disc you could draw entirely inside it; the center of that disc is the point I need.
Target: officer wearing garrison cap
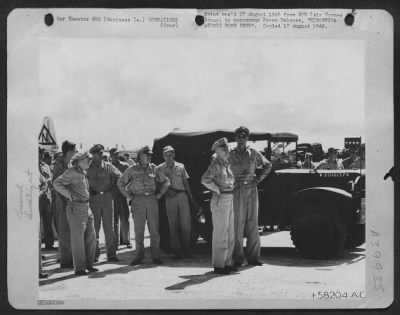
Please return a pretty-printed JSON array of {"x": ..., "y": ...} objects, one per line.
[
  {"x": 244, "y": 161},
  {"x": 74, "y": 186},
  {"x": 102, "y": 177},
  {"x": 220, "y": 180},
  {"x": 177, "y": 203},
  {"x": 144, "y": 184}
]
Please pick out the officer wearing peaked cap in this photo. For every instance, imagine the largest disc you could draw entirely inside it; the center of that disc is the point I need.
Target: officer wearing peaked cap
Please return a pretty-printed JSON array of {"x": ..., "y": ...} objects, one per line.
[
  {"x": 139, "y": 183},
  {"x": 102, "y": 178},
  {"x": 244, "y": 162},
  {"x": 220, "y": 180},
  {"x": 73, "y": 185}
]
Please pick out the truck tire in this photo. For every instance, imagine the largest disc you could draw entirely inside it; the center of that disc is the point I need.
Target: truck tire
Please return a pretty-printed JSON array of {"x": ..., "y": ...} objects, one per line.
[
  {"x": 355, "y": 236},
  {"x": 319, "y": 235}
]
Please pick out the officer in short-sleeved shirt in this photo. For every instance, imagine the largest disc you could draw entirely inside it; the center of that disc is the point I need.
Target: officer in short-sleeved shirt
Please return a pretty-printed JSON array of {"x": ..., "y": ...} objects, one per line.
[
  {"x": 102, "y": 177},
  {"x": 139, "y": 184},
  {"x": 177, "y": 203}
]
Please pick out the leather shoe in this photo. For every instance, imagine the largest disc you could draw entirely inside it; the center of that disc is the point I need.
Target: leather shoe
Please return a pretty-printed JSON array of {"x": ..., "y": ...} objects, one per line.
[
  {"x": 91, "y": 269},
  {"x": 237, "y": 264},
  {"x": 81, "y": 273},
  {"x": 66, "y": 266},
  {"x": 222, "y": 271},
  {"x": 256, "y": 263},
  {"x": 136, "y": 262},
  {"x": 113, "y": 259},
  {"x": 157, "y": 261},
  {"x": 128, "y": 246},
  {"x": 232, "y": 268}
]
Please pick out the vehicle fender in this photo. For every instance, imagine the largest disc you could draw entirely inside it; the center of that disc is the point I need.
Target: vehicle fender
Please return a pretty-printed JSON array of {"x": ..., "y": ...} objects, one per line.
[{"x": 331, "y": 200}]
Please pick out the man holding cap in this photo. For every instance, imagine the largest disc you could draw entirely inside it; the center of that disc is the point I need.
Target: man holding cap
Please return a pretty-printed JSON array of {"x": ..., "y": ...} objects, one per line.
[
  {"x": 177, "y": 203},
  {"x": 139, "y": 184},
  {"x": 73, "y": 185},
  {"x": 244, "y": 162},
  {"x": 220, "y": 180},
  {"x": 102, "y": 177},
  {"x": 121, "y": 209},
  {"x": 331, "y": 163}
]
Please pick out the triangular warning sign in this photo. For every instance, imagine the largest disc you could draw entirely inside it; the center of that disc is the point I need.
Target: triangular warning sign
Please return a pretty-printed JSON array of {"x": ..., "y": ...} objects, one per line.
[{"x": 45, "y": 137}]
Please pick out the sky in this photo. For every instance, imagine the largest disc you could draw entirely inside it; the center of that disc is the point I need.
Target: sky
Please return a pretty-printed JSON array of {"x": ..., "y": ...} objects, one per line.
[{"x": 130, "y": 91}]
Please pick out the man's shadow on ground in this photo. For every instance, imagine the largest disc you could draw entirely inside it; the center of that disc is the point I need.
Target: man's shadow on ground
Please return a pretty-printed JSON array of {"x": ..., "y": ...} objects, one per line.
[{"x": 202, "y": 278}]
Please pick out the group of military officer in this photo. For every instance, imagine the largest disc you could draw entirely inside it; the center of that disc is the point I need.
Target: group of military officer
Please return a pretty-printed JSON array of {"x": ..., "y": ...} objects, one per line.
[{"x": 90, "y": 192}]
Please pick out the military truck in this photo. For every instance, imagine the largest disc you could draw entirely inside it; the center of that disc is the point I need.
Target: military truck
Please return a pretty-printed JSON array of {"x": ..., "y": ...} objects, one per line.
[{"x": 325, "y": 209}]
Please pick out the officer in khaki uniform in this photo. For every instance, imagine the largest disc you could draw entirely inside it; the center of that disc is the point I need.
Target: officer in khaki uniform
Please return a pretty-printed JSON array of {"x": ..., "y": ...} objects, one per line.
[
  {"x": 139, "y": 184},
  {"x": 244, "y": 162},
  {"x": 220, "y": 180},
  {"x": 74, "y": 186},
  {"x": 64, "y": 235},
  {"x": 102, "y": 177},
  {"x": 177, "y": 203}
]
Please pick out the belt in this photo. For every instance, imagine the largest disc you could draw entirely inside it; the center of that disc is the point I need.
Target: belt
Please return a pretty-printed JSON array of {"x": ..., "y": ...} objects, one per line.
[
  {"x": 226, "y": 191},
  {"x": 80, "y": 201},
  {"x": 243, "y": 182},
  {"x": 94, "y": 192},
  {"x": 152, "y": 193},
  {"x": 177, "y": 190}
]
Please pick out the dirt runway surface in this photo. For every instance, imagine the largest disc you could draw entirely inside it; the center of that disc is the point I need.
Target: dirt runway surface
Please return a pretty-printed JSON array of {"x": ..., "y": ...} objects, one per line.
[{"x": 284, "y": 275}]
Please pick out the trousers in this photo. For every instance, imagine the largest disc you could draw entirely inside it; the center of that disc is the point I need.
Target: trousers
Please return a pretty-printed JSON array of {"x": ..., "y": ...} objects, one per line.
[
  {"x": 83, "y": 236},
  {"x": 103, "y": 212},
  {"x": 121, "y": 220},
  {"x": 179, "y": 221},
  {"x": 146, "y": 208},
  {"x": 223, "y": 239},
  {"x": 46, "y": 216},
  {"x": 245, "y": 208},
  {"x": 64, "y": 232}
]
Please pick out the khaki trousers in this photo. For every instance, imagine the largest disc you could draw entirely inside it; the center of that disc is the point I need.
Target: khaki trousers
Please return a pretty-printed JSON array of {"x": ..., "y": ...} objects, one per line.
[
  {"x": 63, "y": 230},
  {"x": 83, "y": 236},
  {"x": 102, "y": 209},
  {"x": 121, "y": 220},
  {"x": 146, "y": 208},
  {"x": 223, "y": 238},
  {"x": 245, "y": 208},
  {"x": 179, "y": 220}
]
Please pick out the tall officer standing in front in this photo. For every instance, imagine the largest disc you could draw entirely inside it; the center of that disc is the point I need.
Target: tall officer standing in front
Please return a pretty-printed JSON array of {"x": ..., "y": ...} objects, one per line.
[
  {"x": 244, "y": 162},
  {"x": 102, "y": 177},
  {"x": 74, "y": 186},
  {"x": 177, "y": 203},
  {"x": 139, "y": 184},
  {"x": 220, "y": 180}
]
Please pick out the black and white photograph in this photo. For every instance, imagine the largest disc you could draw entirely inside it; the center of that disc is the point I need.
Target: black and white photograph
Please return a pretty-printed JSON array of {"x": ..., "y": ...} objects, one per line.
[{"x": 212, "y": 160}]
